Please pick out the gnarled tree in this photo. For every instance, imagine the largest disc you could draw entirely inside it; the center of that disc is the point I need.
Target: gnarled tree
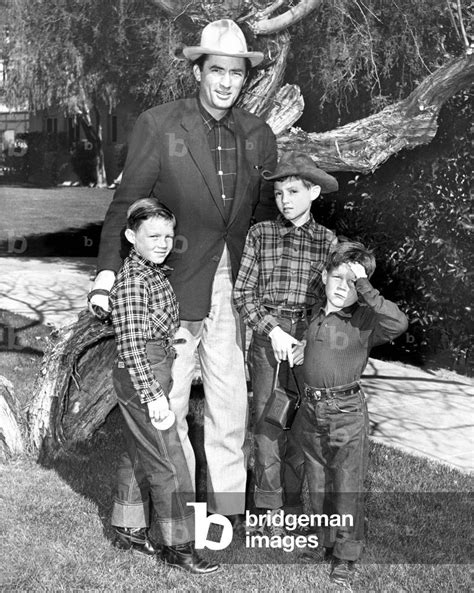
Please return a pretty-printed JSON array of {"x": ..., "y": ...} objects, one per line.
[{"x": 74, "y": 392}]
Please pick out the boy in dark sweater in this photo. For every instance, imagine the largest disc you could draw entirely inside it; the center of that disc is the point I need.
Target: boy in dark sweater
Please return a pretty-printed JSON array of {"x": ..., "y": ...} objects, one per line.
[{"x": 333, "y": 423}]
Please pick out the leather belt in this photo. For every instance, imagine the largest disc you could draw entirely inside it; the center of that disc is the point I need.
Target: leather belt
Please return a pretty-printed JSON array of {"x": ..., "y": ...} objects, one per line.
[
  {"x": 288, "y": 312},
  {"x": 319, "y": 393}
]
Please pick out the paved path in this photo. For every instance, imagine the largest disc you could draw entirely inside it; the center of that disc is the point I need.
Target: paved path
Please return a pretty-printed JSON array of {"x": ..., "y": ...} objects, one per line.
[
  {"x": 51, "y": 290},
  {"x": 423, "y": 413},
  {"x": 429, "y": 414}
]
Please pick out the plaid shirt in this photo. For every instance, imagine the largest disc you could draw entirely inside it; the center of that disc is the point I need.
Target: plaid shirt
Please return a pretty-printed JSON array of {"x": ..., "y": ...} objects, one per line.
[
  {"x": 221, "y": 137},
  {"x": 144, "y": 307},
  {"x": 281, "y": 265}
]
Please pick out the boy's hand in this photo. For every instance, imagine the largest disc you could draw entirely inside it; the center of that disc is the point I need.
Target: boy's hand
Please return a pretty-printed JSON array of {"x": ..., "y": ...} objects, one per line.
[
  {"x": 298, "y": 352},
  {"x": 158, "y": 409},
  {"x": 358, "y": 270},
  {"x": 282, "y": 344}
]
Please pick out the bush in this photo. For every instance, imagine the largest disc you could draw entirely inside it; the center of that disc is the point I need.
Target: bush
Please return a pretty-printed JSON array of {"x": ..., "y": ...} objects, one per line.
[
  {"x": 415, "y": 212},
  {"x": 40, "y": 163}
]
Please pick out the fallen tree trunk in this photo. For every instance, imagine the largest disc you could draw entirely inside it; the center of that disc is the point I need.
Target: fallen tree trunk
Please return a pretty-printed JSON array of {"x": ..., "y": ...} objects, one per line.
[
  {"x": 11, "y": 438},
  {"x": 74, "y": 393}
]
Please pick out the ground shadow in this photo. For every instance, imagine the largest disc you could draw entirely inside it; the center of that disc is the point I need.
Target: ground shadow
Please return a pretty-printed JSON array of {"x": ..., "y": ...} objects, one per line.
[
  {"x": 70, "y": 242},
  {"x": 90, "y": 467}
]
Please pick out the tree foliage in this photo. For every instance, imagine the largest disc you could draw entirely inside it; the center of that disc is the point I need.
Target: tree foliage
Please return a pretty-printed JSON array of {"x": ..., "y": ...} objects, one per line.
[
  {"x": 416, "y": 213},
  {"x": 354, "y": 57},
  {"x": 351, "y": 59}
]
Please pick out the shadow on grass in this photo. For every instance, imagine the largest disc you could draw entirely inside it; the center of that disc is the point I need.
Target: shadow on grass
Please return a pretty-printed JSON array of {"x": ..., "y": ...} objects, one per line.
[
  {"x": 409, "y": 521},
  {"x": 70, "y": 242},
  {"x": 18, "y": 333},
  {"x": 90, "y": 468}
]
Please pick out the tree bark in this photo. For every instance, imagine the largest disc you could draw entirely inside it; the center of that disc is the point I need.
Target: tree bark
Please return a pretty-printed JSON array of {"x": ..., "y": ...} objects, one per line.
[
  {"x": 11, "y": 439},
  {"x": 365, "y": 144},
  {"x": 261, "y": 24},
  {"x": 259, "y": 95},
  {"x": 74, "y": 393}
]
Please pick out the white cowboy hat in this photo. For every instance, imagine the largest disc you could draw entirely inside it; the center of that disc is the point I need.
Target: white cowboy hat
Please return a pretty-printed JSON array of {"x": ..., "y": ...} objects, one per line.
[{"x": 223, "y": 38}]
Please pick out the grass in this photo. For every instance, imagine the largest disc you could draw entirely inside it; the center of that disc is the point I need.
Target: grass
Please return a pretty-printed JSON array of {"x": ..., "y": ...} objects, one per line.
[
  {"x": 55, "y": 532},
  {"x": 61, "y": 221}
]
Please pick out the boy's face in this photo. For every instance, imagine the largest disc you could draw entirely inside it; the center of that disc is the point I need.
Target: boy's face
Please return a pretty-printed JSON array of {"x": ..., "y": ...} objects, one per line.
[
  {"x": 294, "y": 200},
  {"x": 340, "y": 288},
  {"x": 153, "y": 239}
]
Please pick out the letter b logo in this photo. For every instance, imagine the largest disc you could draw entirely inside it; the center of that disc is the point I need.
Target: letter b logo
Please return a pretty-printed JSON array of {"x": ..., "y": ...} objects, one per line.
[
  {"x": 177, "y": 147},
  {"x": 202, "y": 524}
]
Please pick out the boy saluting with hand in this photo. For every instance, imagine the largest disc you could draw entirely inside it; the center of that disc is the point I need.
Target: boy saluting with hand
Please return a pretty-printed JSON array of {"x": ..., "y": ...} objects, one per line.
[{"x": 332, "y": 423}]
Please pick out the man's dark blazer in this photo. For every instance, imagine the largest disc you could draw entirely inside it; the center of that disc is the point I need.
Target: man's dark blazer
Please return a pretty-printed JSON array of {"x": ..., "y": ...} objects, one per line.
[{"x": 169, "y": 158}]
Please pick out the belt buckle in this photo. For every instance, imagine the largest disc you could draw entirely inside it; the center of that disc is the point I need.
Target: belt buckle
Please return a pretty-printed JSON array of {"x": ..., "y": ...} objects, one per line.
[{"x": 314, "y": 394}]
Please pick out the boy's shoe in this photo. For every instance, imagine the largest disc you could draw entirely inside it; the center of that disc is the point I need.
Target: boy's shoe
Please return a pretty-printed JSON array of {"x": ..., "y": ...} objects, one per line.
[
  {"x": 305, "y": 531},
  {"x": 319, "y": 554},
  {"x": 238, "y": 525},
  {"x": 184, "y": 556},
  {"x": 135, "y": 538},
  {"x": 270, "y": 528},
  {"x": 342, "y": 572}
]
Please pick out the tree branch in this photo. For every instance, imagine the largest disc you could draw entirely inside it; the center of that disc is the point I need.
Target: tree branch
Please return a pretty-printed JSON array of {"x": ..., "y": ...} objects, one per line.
[
  {"x": 267, "y": 26},
  {"x": 365, "y": 144}
]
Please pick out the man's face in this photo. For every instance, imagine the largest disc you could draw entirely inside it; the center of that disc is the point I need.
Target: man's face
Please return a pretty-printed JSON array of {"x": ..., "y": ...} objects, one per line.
[
  {"x": 153, "y": 239},
  {"x": 340, "y": 288},
  {"x": 294, "y": 200},
  {"x": 220, "y": 82}
]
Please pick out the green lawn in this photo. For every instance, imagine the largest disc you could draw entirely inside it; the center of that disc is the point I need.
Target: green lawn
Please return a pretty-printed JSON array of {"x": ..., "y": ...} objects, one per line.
[{"x": 55, "y": 532}]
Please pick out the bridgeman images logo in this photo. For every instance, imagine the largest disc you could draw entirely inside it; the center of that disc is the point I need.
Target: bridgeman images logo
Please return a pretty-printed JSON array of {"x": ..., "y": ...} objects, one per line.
[{"x": 255, "y": 538}]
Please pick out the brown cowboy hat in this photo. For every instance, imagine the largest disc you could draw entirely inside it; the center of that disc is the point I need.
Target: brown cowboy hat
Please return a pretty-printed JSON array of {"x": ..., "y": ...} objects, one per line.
[
  {"x": 223, "y": 38},
  {"x": 301, "y": 165}
]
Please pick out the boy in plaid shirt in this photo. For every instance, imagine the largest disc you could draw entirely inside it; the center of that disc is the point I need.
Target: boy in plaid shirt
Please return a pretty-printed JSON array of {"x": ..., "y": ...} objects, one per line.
[
  {"x": 278, "y": 282},
  {"x": 145, "y": 317}
]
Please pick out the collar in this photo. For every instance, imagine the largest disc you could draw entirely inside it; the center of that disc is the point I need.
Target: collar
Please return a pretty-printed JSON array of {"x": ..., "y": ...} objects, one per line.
[
  {"x": 136, "y": 257},
  {"x": 286, "y": 226},
  {"x": 345, "y": 312},
  {"x": 211, "y": 122}
]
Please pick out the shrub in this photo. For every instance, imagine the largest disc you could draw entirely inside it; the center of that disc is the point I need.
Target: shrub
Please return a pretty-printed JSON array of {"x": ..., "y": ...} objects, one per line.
[{"x": 415, "y": 211}]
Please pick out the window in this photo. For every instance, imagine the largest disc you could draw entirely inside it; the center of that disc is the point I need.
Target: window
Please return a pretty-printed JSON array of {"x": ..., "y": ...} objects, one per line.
[
  {"x": 111, "y": 129},
  {"x": 73, "y": 130},
  {"x": 52, "y": 125}
]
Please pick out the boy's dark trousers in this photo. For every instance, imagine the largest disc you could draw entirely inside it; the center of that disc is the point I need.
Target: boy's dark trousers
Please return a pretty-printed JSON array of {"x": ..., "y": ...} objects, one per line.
[
  {"x": 333, "y": 434},
  {"x": 279, "y": 461},
  {"x": 153, "y": 465}
]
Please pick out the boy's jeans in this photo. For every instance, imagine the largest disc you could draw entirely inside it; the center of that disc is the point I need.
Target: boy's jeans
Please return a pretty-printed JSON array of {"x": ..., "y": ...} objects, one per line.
[
  {"x": 334, "y": 436},
  {"x": 153, "y": 465},
  {"x": 279, "y": 461}
]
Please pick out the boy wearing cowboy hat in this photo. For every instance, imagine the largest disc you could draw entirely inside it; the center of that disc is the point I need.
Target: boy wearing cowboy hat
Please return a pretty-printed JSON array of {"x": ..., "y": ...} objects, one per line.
[
  {"x": 202, "y": 158},
  {"x": 279, "y": 281}
]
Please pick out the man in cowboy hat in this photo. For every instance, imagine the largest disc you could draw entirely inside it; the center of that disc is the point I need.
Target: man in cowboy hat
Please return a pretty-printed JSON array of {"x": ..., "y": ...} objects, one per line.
[{"x": 202, "y": 158}]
